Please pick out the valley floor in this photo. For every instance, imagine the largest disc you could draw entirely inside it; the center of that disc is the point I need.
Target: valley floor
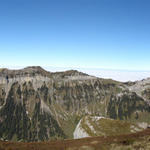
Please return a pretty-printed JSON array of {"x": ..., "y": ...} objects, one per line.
[{"x": 135, "y": 141}]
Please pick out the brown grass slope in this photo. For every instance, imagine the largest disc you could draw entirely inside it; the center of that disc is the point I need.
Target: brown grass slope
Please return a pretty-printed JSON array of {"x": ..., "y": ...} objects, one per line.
[{"x": 134, "y": 141}]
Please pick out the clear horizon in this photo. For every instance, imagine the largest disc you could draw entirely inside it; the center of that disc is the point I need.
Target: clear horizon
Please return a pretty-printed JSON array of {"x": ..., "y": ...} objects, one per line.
[{"x": 92, "y": 34}]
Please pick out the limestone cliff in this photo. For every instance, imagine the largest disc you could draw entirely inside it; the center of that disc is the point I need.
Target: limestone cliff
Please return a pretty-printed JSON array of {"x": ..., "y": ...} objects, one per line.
[{"x": 39, "y": 105}]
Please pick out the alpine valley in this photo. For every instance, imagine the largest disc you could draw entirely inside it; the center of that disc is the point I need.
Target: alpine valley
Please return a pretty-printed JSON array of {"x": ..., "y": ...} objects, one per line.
[{"x": 37, "y": 105}]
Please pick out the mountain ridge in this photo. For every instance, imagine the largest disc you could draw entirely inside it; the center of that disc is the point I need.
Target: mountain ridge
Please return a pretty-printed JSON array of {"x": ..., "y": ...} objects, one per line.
[{"x": 33, "y": 95}]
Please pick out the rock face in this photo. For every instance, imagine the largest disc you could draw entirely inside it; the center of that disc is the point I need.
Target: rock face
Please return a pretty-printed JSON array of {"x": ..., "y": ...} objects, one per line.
[
  {"x": 127, "y": 106},
  {"x": 39, "y": 105}
]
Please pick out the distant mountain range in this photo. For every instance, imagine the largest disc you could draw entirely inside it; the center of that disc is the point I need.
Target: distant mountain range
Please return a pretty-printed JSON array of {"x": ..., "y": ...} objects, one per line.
[{"x": 37, "y": 105}]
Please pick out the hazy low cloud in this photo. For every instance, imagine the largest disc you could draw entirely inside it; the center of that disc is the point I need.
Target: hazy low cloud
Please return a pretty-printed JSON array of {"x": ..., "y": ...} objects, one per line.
[{"x": 119, "y": 75}]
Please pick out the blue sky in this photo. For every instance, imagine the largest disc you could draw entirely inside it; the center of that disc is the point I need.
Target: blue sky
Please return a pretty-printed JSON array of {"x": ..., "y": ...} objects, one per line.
[{"x": 111, "y": 34}]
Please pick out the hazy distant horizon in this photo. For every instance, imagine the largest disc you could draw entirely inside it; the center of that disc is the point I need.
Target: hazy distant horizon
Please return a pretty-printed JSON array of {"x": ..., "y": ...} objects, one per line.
[{"x": 115, "y": 74}]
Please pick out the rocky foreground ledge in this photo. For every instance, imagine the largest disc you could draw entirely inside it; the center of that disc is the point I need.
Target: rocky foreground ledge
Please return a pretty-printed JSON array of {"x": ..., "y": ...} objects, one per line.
[{"x": 134, "y": 141}]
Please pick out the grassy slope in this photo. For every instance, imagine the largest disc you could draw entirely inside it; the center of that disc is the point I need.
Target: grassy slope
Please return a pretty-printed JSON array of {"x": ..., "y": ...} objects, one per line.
[{"x": 108, "y": 127}]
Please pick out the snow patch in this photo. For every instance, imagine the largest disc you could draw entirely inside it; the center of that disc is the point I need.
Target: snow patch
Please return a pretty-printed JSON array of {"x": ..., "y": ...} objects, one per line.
[
  {"x": 96, "y": 118},
  {"x": 79, "y": 132},
  {"x": 143, "y": 125}
]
